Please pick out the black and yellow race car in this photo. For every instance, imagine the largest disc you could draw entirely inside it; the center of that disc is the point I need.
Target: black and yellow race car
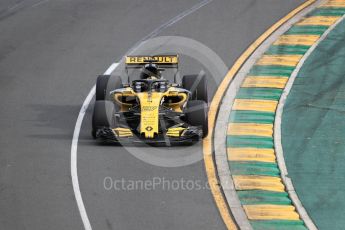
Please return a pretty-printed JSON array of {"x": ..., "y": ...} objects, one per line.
[{"x": 149, "y": 108}]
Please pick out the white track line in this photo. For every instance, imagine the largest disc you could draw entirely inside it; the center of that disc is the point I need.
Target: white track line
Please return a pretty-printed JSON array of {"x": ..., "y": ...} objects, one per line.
[{"x": 74, "y": 148}]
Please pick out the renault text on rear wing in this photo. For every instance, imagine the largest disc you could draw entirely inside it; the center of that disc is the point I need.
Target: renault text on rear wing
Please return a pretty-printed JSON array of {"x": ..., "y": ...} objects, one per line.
[{"x": 160, "y": 60}]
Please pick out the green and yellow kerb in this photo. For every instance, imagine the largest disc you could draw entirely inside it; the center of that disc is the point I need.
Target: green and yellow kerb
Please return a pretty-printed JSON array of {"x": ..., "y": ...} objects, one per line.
[{"x": 250, "y": 142}]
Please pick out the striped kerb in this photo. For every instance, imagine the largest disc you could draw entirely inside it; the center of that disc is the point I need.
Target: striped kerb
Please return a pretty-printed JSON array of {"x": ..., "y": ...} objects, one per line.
[
  {"x": 283, "y": 60},
  {"x": 334, "y": 4},
  {"x": 250, "y": 129},
  {"x": 251, "y": 154},
  {"x": 255, "y": 105},
  {"x": 271, "y": 212},
  {"x": 250, "y": 143},
  {"x": 318, "y": 21},
  {"x": 297, "y": 40},
  {"x": 265, "y": 82}
]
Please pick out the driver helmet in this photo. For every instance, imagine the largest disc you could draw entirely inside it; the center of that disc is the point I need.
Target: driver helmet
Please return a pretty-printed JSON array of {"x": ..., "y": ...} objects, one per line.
[{"x": 150, "y": 71}]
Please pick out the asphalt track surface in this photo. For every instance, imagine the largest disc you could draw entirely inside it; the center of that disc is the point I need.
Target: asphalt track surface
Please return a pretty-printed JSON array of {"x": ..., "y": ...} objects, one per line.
[{"x": 50, "y": 55}]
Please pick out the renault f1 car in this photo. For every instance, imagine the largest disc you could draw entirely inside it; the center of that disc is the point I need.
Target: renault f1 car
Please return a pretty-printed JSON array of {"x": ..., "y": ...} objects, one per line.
[{"x": 149, "y": 108}]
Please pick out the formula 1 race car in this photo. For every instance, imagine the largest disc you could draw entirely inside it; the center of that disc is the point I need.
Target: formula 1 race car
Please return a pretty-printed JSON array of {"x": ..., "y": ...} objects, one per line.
[{"x": 149, "y": 108}]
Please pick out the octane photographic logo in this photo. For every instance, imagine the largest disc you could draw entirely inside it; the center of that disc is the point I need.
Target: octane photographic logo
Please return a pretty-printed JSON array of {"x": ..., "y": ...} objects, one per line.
[
  {"x": 194, "y": 58},
  {"x": 154, "y": 183}
]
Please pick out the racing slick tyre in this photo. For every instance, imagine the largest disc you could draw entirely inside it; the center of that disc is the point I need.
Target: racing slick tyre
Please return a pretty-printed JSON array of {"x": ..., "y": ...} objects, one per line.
[
  {"x": 105, "y": 84},
  {"x": 197, "y": 115},
  {"x": 103, "y": 116},
  {"x": 197, "y": 84}
]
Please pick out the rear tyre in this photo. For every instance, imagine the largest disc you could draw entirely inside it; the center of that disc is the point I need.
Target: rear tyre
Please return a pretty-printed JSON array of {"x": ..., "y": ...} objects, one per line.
[
  {"x": 103, "y": 116},
  {"x": 197, "y": 84},
  {"x": 105, "y": 84},
  {"x": 197, "y": 115}
]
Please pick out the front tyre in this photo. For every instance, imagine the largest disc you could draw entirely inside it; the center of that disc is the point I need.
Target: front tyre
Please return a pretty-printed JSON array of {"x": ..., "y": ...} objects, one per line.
[
  {"x": 105, "y": 84},
  {"x": 197, "y": 115},
  {"x": 197, "y": 84},
  {"x": 103, "y": 116}
]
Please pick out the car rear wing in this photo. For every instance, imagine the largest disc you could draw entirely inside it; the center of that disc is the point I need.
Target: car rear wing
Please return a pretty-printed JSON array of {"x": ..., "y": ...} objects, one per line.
[{"x": 163, "y": 61}]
